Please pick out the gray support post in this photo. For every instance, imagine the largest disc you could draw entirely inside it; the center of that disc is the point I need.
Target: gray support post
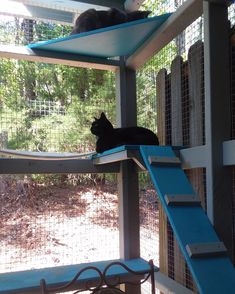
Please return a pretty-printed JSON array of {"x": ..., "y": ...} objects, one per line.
[
  {"x": 128, "y": 177},
  {"x": 217, "y": 118}
]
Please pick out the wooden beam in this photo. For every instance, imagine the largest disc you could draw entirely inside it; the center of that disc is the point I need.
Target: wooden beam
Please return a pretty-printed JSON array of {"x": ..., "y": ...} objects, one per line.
[
  {"x": 194, "y": 157},
  {"x": 72, "y": 6},
  {"x": 14, "y": 8},
  {"x": 218, "y": 119},
  {"x": 128, "y": 187},
  {"x": 31, "y": 166},
  {"x": 168, "y": 285},
  {"x": 23, "y": 53},
  {"x": 114, "y": 3},
  {"x": 228, "y": 153},
  {"x": 175, "y": 24}
]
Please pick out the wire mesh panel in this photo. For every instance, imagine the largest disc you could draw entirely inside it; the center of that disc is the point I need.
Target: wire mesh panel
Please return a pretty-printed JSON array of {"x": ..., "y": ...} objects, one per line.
[
  {"x": 174, "y": 68},
  {"x": 49, "y": 225},
  {"x": 50, "y": 220}
]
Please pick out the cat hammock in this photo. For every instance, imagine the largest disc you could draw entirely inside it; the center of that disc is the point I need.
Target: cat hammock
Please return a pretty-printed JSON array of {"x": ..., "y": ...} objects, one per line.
[
  {"x": 113, "y": 41},
  {"x": 44, "y": 155}
]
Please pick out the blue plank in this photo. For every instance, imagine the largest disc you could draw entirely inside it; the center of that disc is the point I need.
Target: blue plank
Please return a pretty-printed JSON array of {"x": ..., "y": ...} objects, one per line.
[
  {"x": 118, "y": 40},
  {"x": 190, "y": 225},
  {"x": 116, "y": 150},
  {"x": 29, "y": 281}
]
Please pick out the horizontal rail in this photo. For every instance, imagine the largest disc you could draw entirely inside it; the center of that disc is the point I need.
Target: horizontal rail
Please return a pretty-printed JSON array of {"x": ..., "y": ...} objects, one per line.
[
  {"x": 32, "y": 166},
  {"x": 75, "y": 60}
]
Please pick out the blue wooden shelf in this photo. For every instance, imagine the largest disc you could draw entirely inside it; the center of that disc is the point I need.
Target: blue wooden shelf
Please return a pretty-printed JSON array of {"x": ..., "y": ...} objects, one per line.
[
  {"x": 29, "y": 281},
  {"x": 118, "y": 40}
]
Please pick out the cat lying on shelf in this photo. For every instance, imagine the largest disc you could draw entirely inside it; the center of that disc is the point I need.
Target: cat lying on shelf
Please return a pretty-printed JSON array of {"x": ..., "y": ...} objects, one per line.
[
  {"x": 92, "y": 19},
  {"x": 109, "y": 137}
]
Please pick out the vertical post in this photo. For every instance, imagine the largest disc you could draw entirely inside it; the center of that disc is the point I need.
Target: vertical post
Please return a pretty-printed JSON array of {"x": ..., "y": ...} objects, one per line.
[
  {"x": 161, "y": 83},
  {"x": 128, "y": 188},
  {"x": 177, "y": 140},
  {"x": 217, "y": 117}
]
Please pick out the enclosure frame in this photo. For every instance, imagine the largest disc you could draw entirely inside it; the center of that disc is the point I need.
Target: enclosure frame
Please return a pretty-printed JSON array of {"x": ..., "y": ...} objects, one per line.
[{"x": 216, "y": 155}]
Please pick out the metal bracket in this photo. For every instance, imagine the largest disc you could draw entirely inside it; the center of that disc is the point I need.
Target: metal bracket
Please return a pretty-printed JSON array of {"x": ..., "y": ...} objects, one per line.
[
  {"x": 198, "y": 250},
  {"x": 164, "y": 161},
  {"x": 182, "y": 200}
]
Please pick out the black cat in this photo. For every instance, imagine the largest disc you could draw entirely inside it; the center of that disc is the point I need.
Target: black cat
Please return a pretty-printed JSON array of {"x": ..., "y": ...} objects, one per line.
[
  {"x": 109, "y": 137},
  {"x": 92, "y": 19}
]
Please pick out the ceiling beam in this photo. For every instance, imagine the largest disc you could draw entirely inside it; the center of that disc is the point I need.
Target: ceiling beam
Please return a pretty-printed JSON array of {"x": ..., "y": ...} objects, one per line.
[
  {"x": 106, "y": 3},
  {"x": 75, "y": 60},
  {"x": 174, "y": 25},
  {"x": 17, "y": 9}
]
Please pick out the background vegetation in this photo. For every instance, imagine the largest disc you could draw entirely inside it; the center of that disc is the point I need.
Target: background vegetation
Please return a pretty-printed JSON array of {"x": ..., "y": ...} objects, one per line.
[{"x": 45, "y": 107}]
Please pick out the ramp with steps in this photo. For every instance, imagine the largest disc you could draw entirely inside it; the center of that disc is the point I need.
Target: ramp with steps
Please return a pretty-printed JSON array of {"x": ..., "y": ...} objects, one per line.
[{"x": 205, "y": 255}]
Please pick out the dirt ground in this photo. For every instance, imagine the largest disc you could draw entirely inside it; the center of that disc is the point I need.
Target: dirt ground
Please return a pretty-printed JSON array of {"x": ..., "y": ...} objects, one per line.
[{"x": 49, "y": 225}]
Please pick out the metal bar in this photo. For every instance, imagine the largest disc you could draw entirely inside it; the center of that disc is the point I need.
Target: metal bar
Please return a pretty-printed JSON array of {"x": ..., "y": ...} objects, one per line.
[
  {"x": 23, "y": 53},
  {"x": 188, "y": 12}
]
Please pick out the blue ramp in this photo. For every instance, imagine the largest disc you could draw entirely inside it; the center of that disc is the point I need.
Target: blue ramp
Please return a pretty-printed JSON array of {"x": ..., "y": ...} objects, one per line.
[
  {"x": 118, "y": 40},
  {"x": 204, "y": 253}
]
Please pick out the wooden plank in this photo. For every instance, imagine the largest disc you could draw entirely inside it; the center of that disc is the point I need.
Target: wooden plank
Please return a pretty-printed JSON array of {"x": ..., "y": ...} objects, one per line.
[
  {"x": 30, "y": 166},
  {"x": 161, "y": 87},
  {"x": 196, "y": 93},
  {"x": 14, "y": 8},
  {"x": 177, "y": 140},
  {"x": 74, "y": 6},
  {"x": 128, "y": 185},
  {"x": 188, "y": 12},
  {"x": 29, "y": 281},
  {"x": 176, "y": 102},
  {"x": 23, "y": 53},
  {"x": 194, "y": 157},
  {"x": 161, "y": 106},
  {"x": 228, "y": 153},
  {"x": 196, "y": 113},
  {"x": 170, "y": 286}
]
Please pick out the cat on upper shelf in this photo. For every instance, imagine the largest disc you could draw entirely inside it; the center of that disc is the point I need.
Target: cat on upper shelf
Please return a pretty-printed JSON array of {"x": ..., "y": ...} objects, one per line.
[
  {"x": 109, "y": 137},
  {"x": 92, "y": 19}
]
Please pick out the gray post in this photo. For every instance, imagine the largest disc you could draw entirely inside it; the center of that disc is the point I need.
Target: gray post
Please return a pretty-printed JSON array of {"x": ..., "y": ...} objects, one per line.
[
  {"x": 128, "y": 176},
  {"x": 217, "y": 118}
]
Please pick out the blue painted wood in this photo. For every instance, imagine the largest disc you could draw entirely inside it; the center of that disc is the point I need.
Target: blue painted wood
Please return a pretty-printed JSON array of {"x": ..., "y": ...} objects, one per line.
[
  {"x": 116, "y": 150},
  {"x": 118, "y": 40},
  {"x": 190, "y": 225},
  {"x": 29, "y": 281}
]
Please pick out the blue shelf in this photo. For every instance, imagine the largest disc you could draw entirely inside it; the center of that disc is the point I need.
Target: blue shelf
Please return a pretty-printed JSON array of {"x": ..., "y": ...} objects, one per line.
[{"x": 118, "y": 40}]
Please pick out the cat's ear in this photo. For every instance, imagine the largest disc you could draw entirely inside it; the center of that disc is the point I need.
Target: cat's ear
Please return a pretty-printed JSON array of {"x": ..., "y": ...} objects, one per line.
[
  {"x": 95, "y": 118},
  {"x": 102, "y": 115}
]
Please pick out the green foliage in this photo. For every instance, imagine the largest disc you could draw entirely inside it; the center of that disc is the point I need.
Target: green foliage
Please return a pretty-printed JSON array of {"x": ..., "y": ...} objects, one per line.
[{"x": 79, "y": 93}]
